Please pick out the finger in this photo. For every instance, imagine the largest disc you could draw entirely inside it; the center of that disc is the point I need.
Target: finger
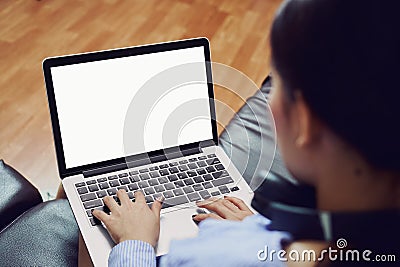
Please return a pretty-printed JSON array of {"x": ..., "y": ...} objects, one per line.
[
  {"x": 219, "y": 208},
  {"x": 238, "y": 203},
  {"x": 101, "y": 215},
  {"x": 156, "y": 206},
  {"x": 230, "y": 205},
  {"x": 207, "y": 201},
  {"x": 110, "y": 203},
  {"x": 201, "y": 217},
  {"x": 123, "y": 197},
  {"x": 139, "y": 198}
]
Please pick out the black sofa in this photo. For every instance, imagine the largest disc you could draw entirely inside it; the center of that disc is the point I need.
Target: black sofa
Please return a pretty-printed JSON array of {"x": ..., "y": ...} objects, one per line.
[{"x": 39, "y": 233}]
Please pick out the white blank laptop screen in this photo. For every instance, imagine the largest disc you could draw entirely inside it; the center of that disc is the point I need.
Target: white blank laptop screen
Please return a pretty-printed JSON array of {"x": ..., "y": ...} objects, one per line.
[{"x": 93, "y": 99}]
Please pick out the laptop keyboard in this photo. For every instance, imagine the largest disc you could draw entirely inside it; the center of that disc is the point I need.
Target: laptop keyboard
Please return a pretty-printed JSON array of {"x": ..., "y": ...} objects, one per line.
[{"x": 180, "y": 182}]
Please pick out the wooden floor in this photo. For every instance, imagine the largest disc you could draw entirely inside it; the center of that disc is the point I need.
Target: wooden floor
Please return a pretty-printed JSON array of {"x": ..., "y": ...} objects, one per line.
[{"x": 32, "y": 30}]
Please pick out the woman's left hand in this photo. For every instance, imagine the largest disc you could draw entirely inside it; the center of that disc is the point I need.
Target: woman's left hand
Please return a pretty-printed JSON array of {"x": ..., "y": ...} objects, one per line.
[
  {"x": 131, "y": 221},
  {"x": 229, "y": 208}
]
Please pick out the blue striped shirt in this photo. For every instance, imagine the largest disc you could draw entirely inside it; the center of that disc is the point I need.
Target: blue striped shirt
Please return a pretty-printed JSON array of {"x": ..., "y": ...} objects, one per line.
[{"x": 219, "y": 243}]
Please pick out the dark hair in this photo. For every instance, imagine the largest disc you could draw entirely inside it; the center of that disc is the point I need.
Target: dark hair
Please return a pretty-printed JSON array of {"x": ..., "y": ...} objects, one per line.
[{"x": 344, "y": 57}]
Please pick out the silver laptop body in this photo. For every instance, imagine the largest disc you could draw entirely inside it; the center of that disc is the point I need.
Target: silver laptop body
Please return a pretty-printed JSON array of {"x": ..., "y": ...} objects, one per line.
[{"x": 139, "y": 118}]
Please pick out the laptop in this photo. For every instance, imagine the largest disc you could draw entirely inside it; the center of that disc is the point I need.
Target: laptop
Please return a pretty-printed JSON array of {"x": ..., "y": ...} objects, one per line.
[{"x": 139, "y": 118}]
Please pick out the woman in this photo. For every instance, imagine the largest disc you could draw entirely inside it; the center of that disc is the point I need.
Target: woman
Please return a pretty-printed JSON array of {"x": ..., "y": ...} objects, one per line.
[{"x": 335, "y": 102}]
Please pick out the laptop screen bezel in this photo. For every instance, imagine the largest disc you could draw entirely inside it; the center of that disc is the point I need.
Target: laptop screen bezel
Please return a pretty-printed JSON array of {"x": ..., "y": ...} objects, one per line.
[{"x": 48, "y": 63}]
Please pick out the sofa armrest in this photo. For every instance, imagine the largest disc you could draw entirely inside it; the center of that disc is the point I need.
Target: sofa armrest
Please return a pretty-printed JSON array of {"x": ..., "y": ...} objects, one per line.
[{"x": 17, "y": 194}]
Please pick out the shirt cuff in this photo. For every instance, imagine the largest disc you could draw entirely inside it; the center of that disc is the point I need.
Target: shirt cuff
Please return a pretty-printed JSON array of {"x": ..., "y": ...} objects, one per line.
[{"x": 132, "y": 253}]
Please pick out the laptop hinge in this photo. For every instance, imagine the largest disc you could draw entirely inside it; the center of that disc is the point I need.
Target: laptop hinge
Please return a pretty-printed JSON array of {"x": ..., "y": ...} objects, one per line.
[{"x": 141, "y": 162}]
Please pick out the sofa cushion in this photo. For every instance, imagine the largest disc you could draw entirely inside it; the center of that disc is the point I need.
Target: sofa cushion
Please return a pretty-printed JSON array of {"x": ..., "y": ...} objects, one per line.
[
  {"x": 46, "y": 235},
  {"x": 17, "y": 194}
]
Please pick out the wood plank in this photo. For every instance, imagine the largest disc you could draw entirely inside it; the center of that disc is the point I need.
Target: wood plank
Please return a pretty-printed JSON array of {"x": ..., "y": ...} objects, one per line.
[{"x": 32, "y": 30}]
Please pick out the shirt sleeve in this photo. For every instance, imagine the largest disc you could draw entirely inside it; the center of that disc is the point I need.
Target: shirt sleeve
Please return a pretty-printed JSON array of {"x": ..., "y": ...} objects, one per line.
[{"x": 132, "y": 253}]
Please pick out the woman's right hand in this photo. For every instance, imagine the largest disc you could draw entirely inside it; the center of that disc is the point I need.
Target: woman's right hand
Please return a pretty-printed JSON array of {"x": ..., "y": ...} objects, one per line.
[{"x": 229, "y": 208}]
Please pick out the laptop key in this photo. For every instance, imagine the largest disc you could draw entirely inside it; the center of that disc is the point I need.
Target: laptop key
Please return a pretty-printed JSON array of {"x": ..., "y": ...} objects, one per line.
[
  {"x": 124, "y": 181},
  {"x": 112, "y": 191},
  {"x": 223, "y": 189},
  {"x": 192, "y": 159},
  {"x": 149, "y": 199},
  {"x": 202, "y": 157},
  {"x": 134, "y": 178},
  {"x": 172, "y": 164},
  {"x": 156, "y": 195},
  {"x": 131, "y": 195},
  {"x": 215, "y": 193},
  {"x": 219, "y": 167},
  {"x": 188, "y": 189},
  {"x": 210, "y": 169},
  {"x": 154, "y": 174},
  {"x": 191, "y": 173},
  {"x": 82, "y": 190},
  {"x": 201, "y": 171},
  {"x": 114, "y": 183},
  {"x": 173, "y": 170},
  {"x": 170, "y": 202},
  {"x": 172, "y": 177},
  {"x": 178, "y": 192},
  {"x": 183, "y": 168},
  {"x": 101, "y": 194},
  {"x": 179, "y": 184},
  {"x": 192, "y": 166},
  {"x": 207, "y": 177},
  {"x": 204, "y": 194},
  {"x": 211, "y": 156},
  {"x": 143, "y": 184},
  {"x": 144, "y": 176},
  {"x": 112, "y": 177},
  {"x": 184, "y": 161},
  {"x": 168, "y": 194},
  {"x": 163, "y": 180},
  {"x": 159, "y": 188},
  {"x": 197, "y": 187},
  {"x": 202, "y": 163},
  {"x": 207, "y": 185},
  {"x": 149, "y": 191},
  {"x": 88, "y": 197},
  {"x": 193, "y": 197},
  {"x": 104, "y": 185},
  {"x": 79, "y": 184},
  {"x": 122, "y": 187},
  {"x": 169, "y": 186},
  {"x": 182, "y": 175},
  {"x": 93, "y": 188},
  {"x": 90, "y": 182},
  {"x": 144, "y": 170},
  {"x": 154, "y": 168},
  {"x": 235, "y": 188},
  {"x": 212, "y": 161},
  {"x": 133, "y": 187},
  {"x": 220, "y": 174},
  {"x": 163, "y": 166},
  {"x": 198, "y": 179},
  {"x": 163, "y": 172},
  {"x": 101, "y": 180},
  {"x": 153, "y": 182},
  {"x": 188, "y": 181},
  {"x": 94, "y": 221},
  {"x": 222, "y": 181},
  {"x": 92, "y": 204},
  {"x": 122, "y": 175},
  {"x": 133, "y": 172}
]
